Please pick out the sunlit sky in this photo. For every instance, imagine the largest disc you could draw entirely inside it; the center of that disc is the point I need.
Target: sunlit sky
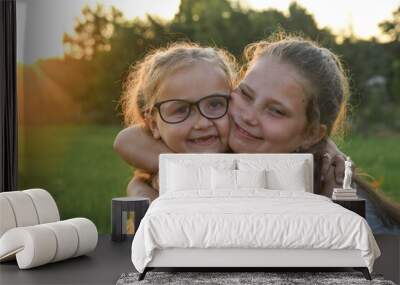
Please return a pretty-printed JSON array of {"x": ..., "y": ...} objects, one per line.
[{"x": 362, "y": 16}]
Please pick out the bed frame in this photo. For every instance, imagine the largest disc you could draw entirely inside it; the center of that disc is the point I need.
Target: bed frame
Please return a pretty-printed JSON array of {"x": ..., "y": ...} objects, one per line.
[{"x": 240, "y": 259}]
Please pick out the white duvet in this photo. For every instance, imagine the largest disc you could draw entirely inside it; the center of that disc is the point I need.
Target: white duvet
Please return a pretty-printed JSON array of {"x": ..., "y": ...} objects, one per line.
[{"x": 252, "y": 218}]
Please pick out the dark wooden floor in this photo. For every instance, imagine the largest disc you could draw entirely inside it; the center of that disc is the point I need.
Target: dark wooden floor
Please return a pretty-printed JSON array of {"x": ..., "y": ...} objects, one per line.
[
  {"x": 106, "y": 264},
  {"x": 389, "y": 262}
]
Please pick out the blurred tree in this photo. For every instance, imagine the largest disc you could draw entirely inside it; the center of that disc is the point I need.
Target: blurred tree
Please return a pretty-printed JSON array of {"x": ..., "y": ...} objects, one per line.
[
  {"x": 299, "y": 20},
  {"x": 108, "y": 44},
  {"x": 229, "y": 25},
  {"x": 392, "y": 27},
  {"x": 366, "y": 61},
  {"x": 395, "y": 82},
  {"x": 209, "y": 22},
  {"x": 92, "y": 32},
  {"x": 130, "y": 42}
]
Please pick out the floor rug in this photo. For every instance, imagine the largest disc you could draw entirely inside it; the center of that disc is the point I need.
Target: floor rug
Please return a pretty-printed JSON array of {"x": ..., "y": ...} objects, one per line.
[{"x": 242, "y": 278}]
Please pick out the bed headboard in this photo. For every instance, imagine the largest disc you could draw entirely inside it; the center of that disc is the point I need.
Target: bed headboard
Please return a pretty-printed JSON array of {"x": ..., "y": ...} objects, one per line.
[{"x": 207, "y": 159}]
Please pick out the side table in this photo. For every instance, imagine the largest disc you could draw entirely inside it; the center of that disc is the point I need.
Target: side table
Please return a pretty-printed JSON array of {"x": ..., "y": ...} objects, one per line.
[
  {"x": 126, "y": 214},
  {"x": 355, "y": 205}
]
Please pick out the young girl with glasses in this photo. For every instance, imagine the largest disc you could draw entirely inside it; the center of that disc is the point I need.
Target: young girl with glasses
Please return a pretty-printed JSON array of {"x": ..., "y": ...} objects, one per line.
[{"x": 180, "y": 95}]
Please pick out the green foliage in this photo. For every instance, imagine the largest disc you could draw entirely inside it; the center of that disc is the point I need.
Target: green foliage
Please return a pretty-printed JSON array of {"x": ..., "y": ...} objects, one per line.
[
  {"x": 364, "y": 61},
  {"x": 108, "y": 44},
  {"x": 375, "y": 108},
  {"x": 392, "y": 27},
  {"x": 300, "y": 20},
  {"x": 395, "y": 87},
  {"x": 210, "y": 23}
]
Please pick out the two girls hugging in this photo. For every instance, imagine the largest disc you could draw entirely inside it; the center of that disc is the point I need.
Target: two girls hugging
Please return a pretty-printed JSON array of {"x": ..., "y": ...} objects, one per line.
[{"x": 290, "y": 96}]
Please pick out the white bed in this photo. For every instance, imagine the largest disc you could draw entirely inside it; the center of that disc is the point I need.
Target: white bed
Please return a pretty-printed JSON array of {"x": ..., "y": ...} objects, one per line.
[{"x": 203, "y": 218}]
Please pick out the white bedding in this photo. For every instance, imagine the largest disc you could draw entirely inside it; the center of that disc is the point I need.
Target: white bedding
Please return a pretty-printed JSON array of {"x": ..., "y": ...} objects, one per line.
[{"x": 251, "y": 218}]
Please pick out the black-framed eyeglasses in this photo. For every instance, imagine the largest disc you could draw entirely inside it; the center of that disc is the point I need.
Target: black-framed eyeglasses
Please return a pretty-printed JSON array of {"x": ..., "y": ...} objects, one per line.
[{"x": 177, "y": 110}]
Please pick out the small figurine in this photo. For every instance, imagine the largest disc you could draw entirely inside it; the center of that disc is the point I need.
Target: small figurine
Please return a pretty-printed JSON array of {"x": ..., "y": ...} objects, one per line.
[
  {"x": 346, "y": 192},
  {"x": 348, "y": 173}
]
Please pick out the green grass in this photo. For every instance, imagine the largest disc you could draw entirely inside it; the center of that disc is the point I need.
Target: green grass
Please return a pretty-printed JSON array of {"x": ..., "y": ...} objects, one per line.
[
  {"x": 378, "y": 157},
  {"x": 78, "y": 166}
]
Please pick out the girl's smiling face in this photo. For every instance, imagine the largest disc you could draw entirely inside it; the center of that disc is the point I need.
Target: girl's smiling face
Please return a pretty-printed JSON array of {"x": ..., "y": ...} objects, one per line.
[
  {"x": 268, "y": 109},
  {"x": 196, "y": 134}
]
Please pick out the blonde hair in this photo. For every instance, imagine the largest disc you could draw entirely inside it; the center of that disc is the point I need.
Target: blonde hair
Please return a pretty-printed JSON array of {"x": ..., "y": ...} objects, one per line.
[
  {"x": 140, "y": 88},
  {"x": 328, "y": 86}
]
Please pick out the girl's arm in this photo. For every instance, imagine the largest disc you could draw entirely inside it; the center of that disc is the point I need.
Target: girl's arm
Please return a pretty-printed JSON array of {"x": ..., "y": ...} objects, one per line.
[
  {"x": 330, "y": 167},
  {"x": 137, "y": 187},
  {"x": 138, "y": 148}
]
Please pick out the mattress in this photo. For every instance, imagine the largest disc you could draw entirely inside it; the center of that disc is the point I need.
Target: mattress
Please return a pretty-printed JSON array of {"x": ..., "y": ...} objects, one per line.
[{"x": 250, "y": 219}]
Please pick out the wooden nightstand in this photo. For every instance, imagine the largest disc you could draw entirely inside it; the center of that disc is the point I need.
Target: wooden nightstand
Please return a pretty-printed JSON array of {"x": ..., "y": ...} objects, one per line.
[{"x": 356, "y": 205}]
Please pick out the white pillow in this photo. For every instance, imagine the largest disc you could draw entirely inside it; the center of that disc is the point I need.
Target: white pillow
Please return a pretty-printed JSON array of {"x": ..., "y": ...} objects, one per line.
[
  {"x": 281, "y": 174},
  {"x": 181, "y": 178},
  {"x": 293, "y": 180},
  {"x": 251, "y": 178},
  {"x": 223, "y": 179},
  {"x": 187, "y": 174},
  {"x": 227, "y": 179}
]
